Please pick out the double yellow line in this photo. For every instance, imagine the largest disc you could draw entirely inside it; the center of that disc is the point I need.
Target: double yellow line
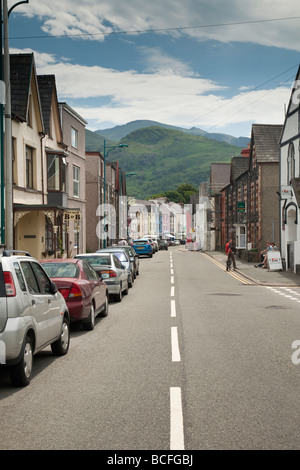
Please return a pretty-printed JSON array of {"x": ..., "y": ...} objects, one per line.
[{"x": 234, "y": 274}]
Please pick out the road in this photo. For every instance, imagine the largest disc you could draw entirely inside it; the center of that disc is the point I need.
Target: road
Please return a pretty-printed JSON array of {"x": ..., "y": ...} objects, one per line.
[{"x": 193, "y": 358}]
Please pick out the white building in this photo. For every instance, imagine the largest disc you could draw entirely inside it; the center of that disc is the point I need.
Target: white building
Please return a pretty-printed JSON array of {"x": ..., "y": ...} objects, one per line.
[{"x": 290, "y": 181}]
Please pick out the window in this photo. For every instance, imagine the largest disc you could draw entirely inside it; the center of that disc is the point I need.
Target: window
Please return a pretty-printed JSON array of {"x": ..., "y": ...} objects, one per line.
[
  {"x": 29, "y": 167},
  {"x": 31, "y": 281},
  {"x": 44, "y": 282},
  {"x": 76, "y": 181},
  {"x": 74, "y": 137},
  {"x": 291, "y": 163},
  {"x": 56, "y": 167},
  {"x": 20, "y": 277},
  {"x": 241, "y": 236}
]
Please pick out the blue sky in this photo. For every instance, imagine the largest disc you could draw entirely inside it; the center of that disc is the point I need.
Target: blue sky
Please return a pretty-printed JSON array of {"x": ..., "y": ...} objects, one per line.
[{"x": 220, "y": 66}]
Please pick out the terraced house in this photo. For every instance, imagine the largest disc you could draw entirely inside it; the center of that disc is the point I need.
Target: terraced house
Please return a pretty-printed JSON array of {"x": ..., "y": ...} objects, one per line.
[{"x": 48, "y": 194}]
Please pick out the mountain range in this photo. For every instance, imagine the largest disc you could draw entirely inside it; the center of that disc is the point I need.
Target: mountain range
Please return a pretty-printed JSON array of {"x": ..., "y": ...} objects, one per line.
[
  {"x": 160, "y": 157},
  {"x": 119, "y": 132}
]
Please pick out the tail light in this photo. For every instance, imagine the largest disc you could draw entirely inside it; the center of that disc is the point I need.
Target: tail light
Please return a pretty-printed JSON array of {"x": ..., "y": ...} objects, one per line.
[
  {"x": 9, "y": 284},
  {"x": 71, "y": 293},
  {"x": 110, "y": 272}
]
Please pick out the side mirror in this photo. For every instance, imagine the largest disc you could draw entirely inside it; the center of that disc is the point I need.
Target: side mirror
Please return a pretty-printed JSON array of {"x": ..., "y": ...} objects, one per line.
[{"x": 53, "y": 288}]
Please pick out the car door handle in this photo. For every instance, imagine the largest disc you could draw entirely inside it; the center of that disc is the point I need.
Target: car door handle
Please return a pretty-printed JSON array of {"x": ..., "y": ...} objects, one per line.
[
  {"x": 49, "y": 301},
  {"x": 33, "y": 302}
]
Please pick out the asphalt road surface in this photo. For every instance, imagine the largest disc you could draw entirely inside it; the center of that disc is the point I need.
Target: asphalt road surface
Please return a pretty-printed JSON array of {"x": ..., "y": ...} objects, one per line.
[{"x": 193, "y": 358}]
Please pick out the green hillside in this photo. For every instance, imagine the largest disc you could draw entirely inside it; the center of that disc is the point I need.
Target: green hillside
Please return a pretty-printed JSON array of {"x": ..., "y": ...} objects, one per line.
[
  {"x": 164, "y": 159},
  {"x": 119, "y": 132}
]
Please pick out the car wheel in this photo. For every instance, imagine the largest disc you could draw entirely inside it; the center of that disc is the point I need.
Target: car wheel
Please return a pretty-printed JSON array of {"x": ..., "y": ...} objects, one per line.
[
  {"x": 150, "y": 256},
  {"x": 21, "y": 373},
  {"x": 130, "y": 281},
  {"x": 126, "y": 291},
  {"x": 90, "y": 324},
  {"x": 119, "y": 296},
  {"x": 61, "y": 346},
  {"x": 104, "y": 312}
]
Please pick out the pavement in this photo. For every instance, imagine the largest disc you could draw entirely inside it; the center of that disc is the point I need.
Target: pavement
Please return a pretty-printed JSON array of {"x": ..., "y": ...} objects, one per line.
[{"x": 260, "y": 276}]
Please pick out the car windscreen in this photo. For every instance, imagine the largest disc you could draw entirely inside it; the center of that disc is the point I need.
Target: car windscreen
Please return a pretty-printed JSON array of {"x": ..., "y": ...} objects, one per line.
[
  {"x": 121, "y": 256},
  {"x": 140, "y": 242},
  {"x": 61, "y": 269}
]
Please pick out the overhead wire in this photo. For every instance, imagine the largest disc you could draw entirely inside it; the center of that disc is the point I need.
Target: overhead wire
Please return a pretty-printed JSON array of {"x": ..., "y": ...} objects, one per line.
[
  {"x": 156, "y": 30},
  {"x": 185, "y": 28},
  {"x": 243, "y": 96}
]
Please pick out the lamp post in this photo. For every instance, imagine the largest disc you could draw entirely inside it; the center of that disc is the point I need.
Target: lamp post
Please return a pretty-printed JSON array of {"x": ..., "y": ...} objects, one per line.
[
  {"x": 2, "y": 101},
  {"x": 106, "y": 151},
  {"x": 8, "y": 183}
]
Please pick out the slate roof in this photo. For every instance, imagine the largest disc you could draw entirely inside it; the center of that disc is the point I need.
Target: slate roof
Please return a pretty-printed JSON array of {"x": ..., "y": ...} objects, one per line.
[
  {"x": 21, "y": 66},
  {"x": 239, "y": 165},
  {"x": 219, "y": 176},
  {"x": 266, "y": 139}
]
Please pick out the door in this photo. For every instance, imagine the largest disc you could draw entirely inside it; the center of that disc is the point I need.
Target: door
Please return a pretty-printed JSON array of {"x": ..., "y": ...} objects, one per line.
[
  {"x": 38, "y": 307},
  {"x": 45, "y": 306},
  {"x": 53, "y": 302}
]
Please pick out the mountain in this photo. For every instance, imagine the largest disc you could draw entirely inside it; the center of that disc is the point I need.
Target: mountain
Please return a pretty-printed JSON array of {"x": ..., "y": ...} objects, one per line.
[
  {"x": 119, "y": 132},
  {"x": 165, "y": 158}
]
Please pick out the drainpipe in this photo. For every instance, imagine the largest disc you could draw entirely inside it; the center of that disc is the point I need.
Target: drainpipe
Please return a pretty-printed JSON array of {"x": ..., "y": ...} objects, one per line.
[{"x": 42, "y": 157}]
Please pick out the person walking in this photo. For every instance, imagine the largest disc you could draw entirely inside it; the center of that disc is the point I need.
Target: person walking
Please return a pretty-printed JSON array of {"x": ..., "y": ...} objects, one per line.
[{"x": 230, "y": 255}]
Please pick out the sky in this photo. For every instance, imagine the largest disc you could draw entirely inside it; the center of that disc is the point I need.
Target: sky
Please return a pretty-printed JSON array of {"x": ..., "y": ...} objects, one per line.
[{"x": 220, "y": 66}]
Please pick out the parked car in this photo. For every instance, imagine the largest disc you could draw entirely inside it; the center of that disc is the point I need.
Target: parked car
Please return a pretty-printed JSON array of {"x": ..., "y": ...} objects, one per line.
[
  {"x": 143, "y": 247},
  {"x": 33, "y": 315},
  {"x": 153, "y": 240},
  {"x": 176, "y": 242},
  {"x": 163, "y": 245},
  {"x": 123, "y": 256},
  {"x": 133, "y": 257},
  {"x": 86, "y": 295},
  {"x": 110, "y": 269}
]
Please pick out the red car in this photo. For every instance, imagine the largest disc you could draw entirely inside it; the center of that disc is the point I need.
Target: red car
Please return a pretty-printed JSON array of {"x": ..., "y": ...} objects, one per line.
[{"x": 86, "y": 295}]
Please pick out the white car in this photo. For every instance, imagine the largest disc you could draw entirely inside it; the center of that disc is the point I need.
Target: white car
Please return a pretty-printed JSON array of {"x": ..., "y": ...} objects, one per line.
[{"x": 33, "y": 315}]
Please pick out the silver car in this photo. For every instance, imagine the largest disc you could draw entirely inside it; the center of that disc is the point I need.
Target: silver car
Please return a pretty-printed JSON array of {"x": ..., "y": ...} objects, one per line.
[
  {"x": 111, "y": 271},
  {"x": 123, "y": 256},
  {"x": 33, "y": 315}
]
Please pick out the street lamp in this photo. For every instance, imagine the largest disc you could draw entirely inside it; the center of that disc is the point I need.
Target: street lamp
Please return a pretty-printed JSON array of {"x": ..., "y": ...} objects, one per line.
[
  {"x": 106, "y": 151},
  {"x": 7, "y": 160}
]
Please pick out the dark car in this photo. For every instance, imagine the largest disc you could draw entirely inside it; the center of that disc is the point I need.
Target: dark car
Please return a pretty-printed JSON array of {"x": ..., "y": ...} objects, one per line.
[
  {"x": 163, "y": 245},
  {"x": 86, "y": 295}
]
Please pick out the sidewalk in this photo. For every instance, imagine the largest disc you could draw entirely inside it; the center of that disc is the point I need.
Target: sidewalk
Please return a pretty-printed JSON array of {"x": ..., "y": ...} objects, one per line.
[{"x": 260, "y": 276}]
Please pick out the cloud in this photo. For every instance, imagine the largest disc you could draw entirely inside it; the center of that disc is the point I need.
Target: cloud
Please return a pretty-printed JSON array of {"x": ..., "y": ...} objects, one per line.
[
  {"x": 171, "y": 98},
  {"x": 197, "y": 18}
]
